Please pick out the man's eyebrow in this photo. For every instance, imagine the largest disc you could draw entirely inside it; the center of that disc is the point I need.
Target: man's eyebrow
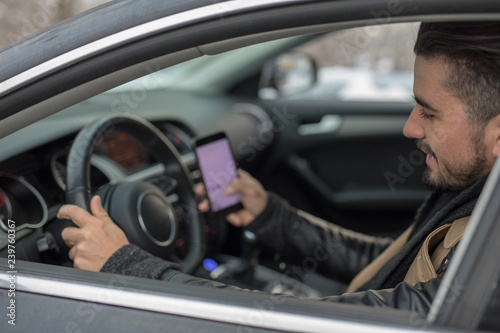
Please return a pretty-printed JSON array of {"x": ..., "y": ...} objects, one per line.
[{"x": 426, "y": 105}]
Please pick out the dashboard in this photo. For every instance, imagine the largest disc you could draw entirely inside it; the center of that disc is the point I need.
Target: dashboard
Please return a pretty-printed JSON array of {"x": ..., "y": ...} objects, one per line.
[
  {"x": 33, "y": 183},
  {"x": 33, "y": 169},
  {"x": 33, "y": 173}
]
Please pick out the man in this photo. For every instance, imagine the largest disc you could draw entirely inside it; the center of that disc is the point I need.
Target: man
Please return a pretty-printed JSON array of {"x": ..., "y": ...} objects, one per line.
[{"x": 456, "y": 122}]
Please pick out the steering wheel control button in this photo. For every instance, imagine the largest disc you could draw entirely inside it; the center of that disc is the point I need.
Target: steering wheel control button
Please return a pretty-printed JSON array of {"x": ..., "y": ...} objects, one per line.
[
  {"x": 144, "y": 213},
  {"x": 156, "y": 217}
]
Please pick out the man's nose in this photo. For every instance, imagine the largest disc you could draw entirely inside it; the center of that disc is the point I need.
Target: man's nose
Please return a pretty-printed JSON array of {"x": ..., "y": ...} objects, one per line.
[{"x": 414, "y": 127}]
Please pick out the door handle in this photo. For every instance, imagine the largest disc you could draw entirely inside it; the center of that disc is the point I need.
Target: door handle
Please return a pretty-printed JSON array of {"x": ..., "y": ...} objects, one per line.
[{"x": 328, "y": 124}]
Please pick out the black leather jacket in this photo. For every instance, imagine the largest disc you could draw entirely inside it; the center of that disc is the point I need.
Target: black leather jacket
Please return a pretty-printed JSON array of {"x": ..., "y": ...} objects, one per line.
[{"x": 336, "y": 252}]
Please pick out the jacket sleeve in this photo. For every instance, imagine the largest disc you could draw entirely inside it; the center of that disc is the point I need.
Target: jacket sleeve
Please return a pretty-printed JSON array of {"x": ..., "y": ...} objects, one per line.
[
  {"x": 404, "y": 296},
  {"x": 332, "y": 250},
  {"x": 133, "y": 261}
]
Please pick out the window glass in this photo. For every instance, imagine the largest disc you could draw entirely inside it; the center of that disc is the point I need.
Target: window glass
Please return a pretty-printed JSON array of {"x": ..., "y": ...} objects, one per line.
[{"x": 371, "y": 63}]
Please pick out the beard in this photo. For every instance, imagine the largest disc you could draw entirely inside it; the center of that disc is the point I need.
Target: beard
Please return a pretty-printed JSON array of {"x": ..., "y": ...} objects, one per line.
[{"x": 454, "y": 176}]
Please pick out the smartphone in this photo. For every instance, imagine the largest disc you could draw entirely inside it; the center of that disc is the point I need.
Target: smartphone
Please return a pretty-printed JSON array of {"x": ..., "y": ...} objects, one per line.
[{"x": 218, "y": 169}]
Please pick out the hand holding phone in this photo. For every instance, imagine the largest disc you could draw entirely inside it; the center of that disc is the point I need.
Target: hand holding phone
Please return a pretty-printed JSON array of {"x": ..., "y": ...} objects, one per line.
[{"x": 218, "y": 169}]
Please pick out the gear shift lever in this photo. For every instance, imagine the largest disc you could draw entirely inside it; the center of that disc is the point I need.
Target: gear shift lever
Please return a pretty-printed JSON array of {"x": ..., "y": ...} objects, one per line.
[
  {"x": 250, "y": 251},
  {"x": 243, "y": 267}
]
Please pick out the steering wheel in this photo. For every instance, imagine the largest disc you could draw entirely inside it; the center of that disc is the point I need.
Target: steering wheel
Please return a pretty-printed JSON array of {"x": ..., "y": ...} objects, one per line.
[{"x": 140, "y": 208}]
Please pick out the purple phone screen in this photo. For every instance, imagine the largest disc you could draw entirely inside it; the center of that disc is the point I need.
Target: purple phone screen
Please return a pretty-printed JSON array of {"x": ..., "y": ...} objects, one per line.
[{"x": 218, "y": 170}]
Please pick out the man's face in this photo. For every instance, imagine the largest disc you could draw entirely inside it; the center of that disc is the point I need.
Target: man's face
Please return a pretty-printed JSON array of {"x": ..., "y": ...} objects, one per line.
[{"x": 457, "y": 153}]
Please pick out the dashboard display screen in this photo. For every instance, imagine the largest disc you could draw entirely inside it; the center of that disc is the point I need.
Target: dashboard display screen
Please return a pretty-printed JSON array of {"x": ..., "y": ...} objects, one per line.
[{"x": 126, "y": 151}]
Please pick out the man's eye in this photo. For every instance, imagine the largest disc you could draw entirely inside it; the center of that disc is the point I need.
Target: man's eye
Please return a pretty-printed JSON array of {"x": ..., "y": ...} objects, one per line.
[{"x": 425, "y": 115}]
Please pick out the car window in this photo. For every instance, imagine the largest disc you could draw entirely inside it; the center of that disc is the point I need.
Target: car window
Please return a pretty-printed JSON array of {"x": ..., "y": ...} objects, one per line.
[{"x": 371, "y": 63}]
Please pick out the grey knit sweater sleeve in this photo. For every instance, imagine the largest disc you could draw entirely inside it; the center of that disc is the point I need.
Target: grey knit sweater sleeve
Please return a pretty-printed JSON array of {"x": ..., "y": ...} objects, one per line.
[{"x": 133, "y": 261}]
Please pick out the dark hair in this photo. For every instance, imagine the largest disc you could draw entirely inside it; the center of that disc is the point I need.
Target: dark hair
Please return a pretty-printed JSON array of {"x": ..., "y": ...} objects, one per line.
[{"x": 473, "y": 49}]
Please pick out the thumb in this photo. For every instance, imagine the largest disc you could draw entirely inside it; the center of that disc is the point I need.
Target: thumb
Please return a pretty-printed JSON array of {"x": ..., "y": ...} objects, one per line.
[
  {"x": 98, "y": 210},
  {"x": 233, "y": 188}
]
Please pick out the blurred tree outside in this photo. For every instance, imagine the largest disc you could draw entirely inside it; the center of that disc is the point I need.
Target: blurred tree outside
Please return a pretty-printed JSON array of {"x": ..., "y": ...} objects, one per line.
[
  {"x": 22, "y": 18},
  {"x": 368, "y": 63},
  {"x": 378, "y": 47}
]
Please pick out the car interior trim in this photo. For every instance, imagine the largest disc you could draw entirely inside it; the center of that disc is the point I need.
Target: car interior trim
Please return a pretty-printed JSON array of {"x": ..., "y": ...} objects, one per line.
[
  {"x": 154, "y": 170},
  {"x": 41, "y": 201},
  {"x": 329, "y": 124},
  {"x": 354, "y": 125},
  {"x": 190, "y": 307},
  {"x": 4, "y": 240},
  {"x": 158, "y": 169},
  {"x": 238, "y": 42},
  {"x": 107, "y": 167}
]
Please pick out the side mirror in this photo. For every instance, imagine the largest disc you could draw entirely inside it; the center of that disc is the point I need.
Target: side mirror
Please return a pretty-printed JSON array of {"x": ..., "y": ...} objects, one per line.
[{"x": 287, "y": 74}]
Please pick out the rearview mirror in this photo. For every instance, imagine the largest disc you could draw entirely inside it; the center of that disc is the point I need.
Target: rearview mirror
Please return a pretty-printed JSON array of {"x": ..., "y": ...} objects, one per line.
[{"x": 287, "y": 74}]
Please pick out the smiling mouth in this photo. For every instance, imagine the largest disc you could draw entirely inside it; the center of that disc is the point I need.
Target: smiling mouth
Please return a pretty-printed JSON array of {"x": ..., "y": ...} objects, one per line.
[
  {"x": 426, "y": 149},
  {"x": 430, "y": 154}
]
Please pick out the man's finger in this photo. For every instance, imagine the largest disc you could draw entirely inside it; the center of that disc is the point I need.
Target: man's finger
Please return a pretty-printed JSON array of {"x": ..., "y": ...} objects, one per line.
[
  {"x": 240, "y": 184},
  {"x": 72, "y": 253},
  {"x": 242, "y": 173},
  {"x": 246, "y": 181},
  {"x": 234, "y": 219},
  {"x": 78, "y": 215},
  {"x": 203, "y": 206},
  {"x": 200, "y": 190},
  {"x": 72, "y": 236},
  {"x": 234, "y": 187},
  {"x": 98, "y": 210},
  {"x": 245, "y": 216}
]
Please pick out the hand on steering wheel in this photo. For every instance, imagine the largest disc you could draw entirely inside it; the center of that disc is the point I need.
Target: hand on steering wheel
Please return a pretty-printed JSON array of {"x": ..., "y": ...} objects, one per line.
[
  {"x": 140, "y": 208},
  {"x": 96, "y": 238}
]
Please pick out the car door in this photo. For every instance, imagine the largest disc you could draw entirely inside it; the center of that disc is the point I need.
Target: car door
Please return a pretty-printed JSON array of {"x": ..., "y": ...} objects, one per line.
[
  {"x": 470, "y": 298},
  {"x": 41, "y": 286},
  {"x": 339, "y": 151}
]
